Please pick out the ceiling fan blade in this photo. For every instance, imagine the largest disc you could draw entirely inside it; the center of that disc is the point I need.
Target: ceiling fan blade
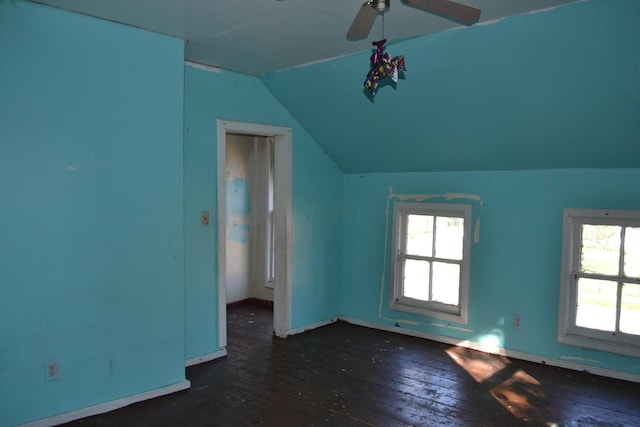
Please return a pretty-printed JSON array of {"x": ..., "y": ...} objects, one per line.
[
  {"x": 363, "y": 21},
  {"x": 462, "y": 13}
]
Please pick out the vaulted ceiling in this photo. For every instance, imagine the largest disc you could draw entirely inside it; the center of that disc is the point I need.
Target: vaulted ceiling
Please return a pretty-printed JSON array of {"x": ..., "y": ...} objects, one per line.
[
  {"x": 555, "y": 89},
  {"x": 536, "y": 84},
  {"x": 257, "y": 37}
]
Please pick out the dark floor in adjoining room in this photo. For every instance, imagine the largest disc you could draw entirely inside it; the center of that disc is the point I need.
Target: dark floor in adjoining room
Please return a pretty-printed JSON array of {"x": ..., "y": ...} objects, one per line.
[{"x": 347, "y": 375}]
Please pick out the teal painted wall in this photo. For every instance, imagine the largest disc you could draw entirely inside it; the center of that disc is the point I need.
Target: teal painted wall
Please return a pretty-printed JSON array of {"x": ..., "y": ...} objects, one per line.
[
  {"x": 91, "y": 238},
  {"x": 317, "y": 197},
  {"x": 108, "y": 157},
  {"x": 515, "y": 262},
  {"x": 496, "y": 96}
]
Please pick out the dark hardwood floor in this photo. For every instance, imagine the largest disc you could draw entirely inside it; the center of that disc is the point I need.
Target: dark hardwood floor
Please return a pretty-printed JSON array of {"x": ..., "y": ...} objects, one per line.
[{"x": 346, "y": 375}]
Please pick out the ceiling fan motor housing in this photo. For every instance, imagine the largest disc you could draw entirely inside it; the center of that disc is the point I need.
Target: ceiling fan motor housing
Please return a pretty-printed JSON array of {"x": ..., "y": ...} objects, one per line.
[{"x": 381, "y": 5}]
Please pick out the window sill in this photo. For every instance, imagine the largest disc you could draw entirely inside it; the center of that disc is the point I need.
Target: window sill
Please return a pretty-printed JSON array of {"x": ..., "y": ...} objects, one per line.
[
  {"x": 427, "y": 312},
  {"x": 599, "y": 344}
]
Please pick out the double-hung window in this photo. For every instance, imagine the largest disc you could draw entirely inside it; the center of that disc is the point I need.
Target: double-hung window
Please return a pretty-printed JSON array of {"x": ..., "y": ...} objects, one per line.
[
  {"x": 600, "y": 282},
  {"x": 430, "y": 267}
]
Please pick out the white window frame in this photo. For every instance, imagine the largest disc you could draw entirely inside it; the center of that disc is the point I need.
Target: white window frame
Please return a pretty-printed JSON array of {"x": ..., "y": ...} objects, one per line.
[
  {"x": 568, "y": 331},
  {"x": 401, "y": 210},
  {"x": 270, "y": 245}
]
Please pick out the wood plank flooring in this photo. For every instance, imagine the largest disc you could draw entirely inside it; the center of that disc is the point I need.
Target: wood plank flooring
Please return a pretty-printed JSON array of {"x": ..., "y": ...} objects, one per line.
[{"x": 346, "y": 375}]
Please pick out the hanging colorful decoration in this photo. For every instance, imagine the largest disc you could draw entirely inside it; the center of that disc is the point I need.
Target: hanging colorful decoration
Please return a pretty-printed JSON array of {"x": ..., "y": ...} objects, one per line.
[{"x": 383, "y": 67}]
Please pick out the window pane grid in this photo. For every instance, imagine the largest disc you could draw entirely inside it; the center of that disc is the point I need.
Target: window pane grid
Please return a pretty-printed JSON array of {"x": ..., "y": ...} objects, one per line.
[
  {"x": 606, "y": 277},
  {"x": 607, "y": 255},
  {"x": 600, "y": 288},
  {"x": 426, "y": 235},
  {"x": 430, "y": 272}
]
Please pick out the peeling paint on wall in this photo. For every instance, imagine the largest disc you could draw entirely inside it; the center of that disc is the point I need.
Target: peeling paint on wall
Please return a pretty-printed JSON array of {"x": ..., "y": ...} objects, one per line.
[
  {"x": 445, "y": 196},
  {"x": 238, "y": 233},
  {"x": 383, "y": 281},
  {"x": 238, "y": 194},
  {"x": 580, "y": 359},
  {"x": 423, "y": 197},
  {"x": 403, "y": 321}
]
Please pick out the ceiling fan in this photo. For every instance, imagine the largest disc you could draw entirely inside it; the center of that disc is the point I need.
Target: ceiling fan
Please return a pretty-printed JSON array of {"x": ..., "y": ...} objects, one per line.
[{"x": 462, "y": 13}]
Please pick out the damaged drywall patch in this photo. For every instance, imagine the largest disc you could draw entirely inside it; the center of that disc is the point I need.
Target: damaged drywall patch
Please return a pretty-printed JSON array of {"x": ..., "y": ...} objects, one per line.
[
  {"x": 445, "y": 196},
  {"x": 424, "y": 197},
  {"x": 391, "y": 197}
]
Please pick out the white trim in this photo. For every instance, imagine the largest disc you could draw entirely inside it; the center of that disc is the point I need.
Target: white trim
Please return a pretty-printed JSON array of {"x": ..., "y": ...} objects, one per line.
[
  {"x": 222, "y": 234},
  {"x": 397, "y": 300},
  {"x": 283, "y": 219},
  {"x": 311, "y": 327},
  {"x": 202, "y": 66},
  {"x": 108, "y": 406},
  {"x": 568, "y": 331},
  {"x": 283, "y": 230},
  {"x": 206, "y": 357},
  {"x": 604, "y": 372},
  {"x": 261, "y": 201}
]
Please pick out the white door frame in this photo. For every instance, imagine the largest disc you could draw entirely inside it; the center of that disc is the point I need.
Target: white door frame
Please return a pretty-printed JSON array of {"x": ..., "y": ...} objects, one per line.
[{"x": 282, "y": 202}]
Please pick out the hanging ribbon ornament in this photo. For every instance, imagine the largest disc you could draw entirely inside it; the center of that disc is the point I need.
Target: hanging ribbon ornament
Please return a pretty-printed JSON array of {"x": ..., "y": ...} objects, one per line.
[{"x": 382, "y": 67}]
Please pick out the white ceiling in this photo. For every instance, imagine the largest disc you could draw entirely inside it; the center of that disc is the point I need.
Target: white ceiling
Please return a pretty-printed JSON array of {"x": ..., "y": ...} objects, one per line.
[{"x": 257, "y": 37}]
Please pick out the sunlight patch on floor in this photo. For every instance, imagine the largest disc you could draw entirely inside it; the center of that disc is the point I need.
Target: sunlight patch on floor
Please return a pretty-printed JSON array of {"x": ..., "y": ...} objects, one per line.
[
  {"x": 518, "y": 392},
  {"x": 481, "y": 366}
]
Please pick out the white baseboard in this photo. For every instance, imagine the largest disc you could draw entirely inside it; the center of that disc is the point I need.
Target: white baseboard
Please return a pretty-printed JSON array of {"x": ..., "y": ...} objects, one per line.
[
  {"x": 206, "y": 357},
  {"x": 610, "y": 373},
  {"x": 108, "y": 406},
  {"x": 310, "y": 327}
]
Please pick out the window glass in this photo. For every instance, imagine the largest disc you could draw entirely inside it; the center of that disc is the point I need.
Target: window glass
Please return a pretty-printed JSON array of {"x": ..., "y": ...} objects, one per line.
[
  {"x": 446, "y": 280},
  {"x": 630, "y": 309},
  {"x": 632, "y": 252},
  {"x": 416, "y": 279},
  {"x": 419, "y": 235},
  {"x": 449, "y": 237},
  {"x": 597, "y": 304},
  {"x": 600, "y": 249}
]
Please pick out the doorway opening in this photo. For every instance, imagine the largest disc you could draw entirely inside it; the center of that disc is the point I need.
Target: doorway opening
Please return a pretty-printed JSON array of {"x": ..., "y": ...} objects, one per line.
[{"x": 254, "y": 219}]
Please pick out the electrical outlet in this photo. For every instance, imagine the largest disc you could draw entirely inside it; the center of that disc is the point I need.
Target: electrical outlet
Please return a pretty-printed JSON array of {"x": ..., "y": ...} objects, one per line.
[
  {"x": 204, "y": 219},
  {"x": 517, "y": 321},
  {"x": 51, "y": 370}
]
